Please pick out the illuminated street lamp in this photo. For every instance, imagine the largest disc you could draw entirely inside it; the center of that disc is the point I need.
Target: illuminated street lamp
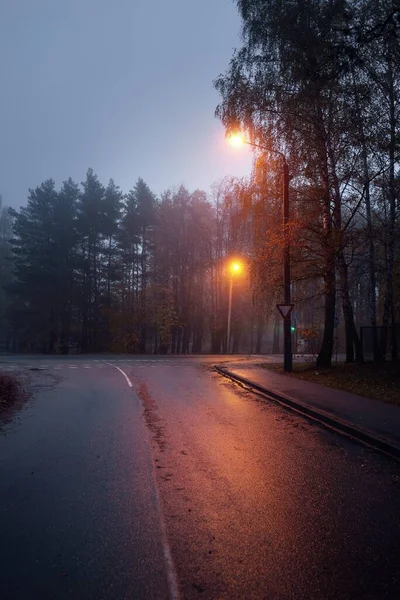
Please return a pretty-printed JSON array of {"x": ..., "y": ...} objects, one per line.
[
  {"x": 234, "y": 268},
  {"x": 238, "y": 140}
]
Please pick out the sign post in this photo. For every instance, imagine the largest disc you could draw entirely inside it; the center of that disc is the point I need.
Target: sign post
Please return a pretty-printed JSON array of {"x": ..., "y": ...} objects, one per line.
[
  {"x": 285, "y": 309},
  {"x": 287, "y": 334}
]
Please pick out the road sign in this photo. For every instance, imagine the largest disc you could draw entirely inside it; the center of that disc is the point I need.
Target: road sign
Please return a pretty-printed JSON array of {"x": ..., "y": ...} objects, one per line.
[{"x": 285, "y": 309}]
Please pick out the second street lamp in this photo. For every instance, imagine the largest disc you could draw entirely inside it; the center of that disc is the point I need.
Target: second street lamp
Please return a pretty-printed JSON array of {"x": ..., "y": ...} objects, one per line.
[
  {"x": 234, "y": 269},
  {"x": 238, "y": 140}
]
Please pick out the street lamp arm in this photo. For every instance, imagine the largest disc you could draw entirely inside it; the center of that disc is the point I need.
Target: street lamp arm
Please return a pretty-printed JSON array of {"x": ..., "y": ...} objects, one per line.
[{"x": 267, "y": 149}]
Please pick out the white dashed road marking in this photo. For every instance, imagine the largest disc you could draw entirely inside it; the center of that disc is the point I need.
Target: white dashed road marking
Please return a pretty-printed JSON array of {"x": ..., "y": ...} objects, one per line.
[{"x": 98, "y": 363}]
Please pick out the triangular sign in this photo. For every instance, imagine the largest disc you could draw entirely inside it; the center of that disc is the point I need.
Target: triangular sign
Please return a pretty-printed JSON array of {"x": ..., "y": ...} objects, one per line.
[{"x": 285, "y": 309}]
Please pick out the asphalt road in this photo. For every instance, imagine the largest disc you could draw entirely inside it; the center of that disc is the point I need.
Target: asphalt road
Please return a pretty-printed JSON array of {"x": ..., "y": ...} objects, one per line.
[{"x": 184, "y": 485}]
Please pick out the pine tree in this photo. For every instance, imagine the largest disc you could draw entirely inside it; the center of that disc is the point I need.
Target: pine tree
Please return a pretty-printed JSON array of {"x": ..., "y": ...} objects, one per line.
[
  {"x": 36, "y": 269},
  {"x": 5, "y": 272},
  {"x": 91, "y": 225}
]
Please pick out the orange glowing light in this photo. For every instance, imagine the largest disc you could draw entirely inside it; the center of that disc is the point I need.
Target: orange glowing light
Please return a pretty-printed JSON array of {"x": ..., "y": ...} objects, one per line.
[
  {"x": 236, "y": 140},
  {"x": 236, "y": 268}
]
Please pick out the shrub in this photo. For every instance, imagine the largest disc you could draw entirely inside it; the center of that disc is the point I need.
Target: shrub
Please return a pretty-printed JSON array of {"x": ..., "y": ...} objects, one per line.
[{"x": 10, "y": 389}]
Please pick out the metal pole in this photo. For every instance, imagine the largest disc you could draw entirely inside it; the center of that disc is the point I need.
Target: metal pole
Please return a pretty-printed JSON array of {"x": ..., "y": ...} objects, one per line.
[
  {"x": 252, "y": 330},
  {"x": 287, "y": 334},
  {"x": 228, "y": 335}
]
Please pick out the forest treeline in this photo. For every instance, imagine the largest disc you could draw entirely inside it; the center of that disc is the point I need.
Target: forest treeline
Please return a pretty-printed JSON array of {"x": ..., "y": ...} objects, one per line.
[{"x": 92, "y": 267}]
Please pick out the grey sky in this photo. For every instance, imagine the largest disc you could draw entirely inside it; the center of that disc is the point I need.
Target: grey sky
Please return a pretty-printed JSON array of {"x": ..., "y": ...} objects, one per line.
[{"x": 123, "y": 86}]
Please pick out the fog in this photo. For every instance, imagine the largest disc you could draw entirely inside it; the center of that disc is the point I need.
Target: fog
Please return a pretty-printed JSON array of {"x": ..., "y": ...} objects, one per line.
[{"x": 125, "y": 88}]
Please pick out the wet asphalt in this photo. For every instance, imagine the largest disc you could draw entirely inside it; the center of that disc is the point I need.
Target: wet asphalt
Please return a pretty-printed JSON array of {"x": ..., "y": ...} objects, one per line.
[{"x": 99, "y": 482}]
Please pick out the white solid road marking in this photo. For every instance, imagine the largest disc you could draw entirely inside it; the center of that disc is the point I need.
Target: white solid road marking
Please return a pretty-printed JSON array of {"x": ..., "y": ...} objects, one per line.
[
  {"x": 169, "y": 563},
  {"x": 73, "y": 367},
  {"x": 124, "y": 374}
]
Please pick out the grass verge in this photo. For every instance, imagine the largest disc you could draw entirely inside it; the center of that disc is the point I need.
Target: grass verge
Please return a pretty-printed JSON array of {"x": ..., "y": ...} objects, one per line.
[
  {"x": 377, "y": 381},
  {"x": 12, "y": 396}
]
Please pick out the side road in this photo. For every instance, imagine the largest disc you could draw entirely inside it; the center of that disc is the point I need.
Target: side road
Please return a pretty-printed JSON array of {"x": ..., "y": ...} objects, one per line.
[{"x": 370, "y": 421}]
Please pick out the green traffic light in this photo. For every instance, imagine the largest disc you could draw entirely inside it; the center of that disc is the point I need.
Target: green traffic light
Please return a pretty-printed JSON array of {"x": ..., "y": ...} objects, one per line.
[{"x": 292, "y": 328}]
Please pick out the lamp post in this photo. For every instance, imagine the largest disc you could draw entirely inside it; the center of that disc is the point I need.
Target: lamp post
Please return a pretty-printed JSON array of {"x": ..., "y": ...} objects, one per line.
[
  {"x": 235, "y": 268},
  {"x": 238, "y": 140},
  {"x": 287, "y": 331}
]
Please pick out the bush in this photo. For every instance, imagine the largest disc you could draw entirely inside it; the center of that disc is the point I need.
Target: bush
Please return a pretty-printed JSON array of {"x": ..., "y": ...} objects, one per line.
[
  {"x": 10, "y": 389},
  {"x": 311, "y": 340}
]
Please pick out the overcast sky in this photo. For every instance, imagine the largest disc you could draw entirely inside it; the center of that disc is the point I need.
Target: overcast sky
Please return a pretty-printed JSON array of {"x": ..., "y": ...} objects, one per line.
[{"x": 123, "y": 86}]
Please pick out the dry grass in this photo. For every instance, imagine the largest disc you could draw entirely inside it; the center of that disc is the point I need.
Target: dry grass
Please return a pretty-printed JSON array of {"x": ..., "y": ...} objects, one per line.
[
  {"x": 12, "y": 395},
  {"x": 378, "y": 381},
  {"x": 9, "y": 388}
]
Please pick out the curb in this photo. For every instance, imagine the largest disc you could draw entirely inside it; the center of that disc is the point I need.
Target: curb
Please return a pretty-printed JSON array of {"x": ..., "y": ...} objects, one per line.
[{"x": 333, "y": 423}]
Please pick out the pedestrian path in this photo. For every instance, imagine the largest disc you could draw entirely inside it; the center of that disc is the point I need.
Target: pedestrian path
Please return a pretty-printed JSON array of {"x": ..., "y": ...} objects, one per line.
[{"x": 377, "y": 418}]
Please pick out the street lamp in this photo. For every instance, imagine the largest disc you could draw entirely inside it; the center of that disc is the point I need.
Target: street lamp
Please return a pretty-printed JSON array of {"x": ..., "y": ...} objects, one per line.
[
  {"x": 235, "y": 267},
  {"x": 237, "y": 140}
]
